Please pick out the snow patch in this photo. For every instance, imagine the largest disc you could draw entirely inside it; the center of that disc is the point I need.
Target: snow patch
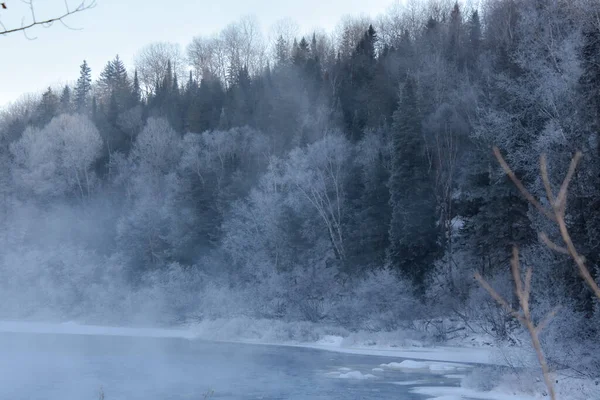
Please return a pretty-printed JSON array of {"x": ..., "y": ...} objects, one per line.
[
  {"x": 409, "y": 383},
  {"x": 429, "y": 366},
  {"x": 356, "y": 375},
  {"x": 455, "y": 376},
  {"x": 458, "y": 393},
  {"x": 330, "y": 340}
]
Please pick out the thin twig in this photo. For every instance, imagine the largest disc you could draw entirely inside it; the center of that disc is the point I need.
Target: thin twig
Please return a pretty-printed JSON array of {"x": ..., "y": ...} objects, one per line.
[
  {"x": 547, "y": 185},
  {"x": 542, "y": 325},
  {"x": 579, "y": 260},
  {"x": 561, "y": 200},
  {"x": 553, "y": 246},
  {"x": 520, "y": 186},
  {"x": 84, "y": 5},
  {"x": 523, "y": 291}
]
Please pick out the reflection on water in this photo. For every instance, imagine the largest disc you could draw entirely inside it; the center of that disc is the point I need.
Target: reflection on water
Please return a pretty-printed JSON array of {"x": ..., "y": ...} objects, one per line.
[{"x": 75, "y": 367}]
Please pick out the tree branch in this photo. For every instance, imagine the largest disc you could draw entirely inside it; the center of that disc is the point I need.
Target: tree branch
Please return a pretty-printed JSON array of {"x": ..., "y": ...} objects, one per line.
[{"x": 46, "y": 23}]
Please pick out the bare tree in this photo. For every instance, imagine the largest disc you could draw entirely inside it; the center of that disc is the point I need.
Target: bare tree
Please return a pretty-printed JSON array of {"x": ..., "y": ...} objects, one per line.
[
  {"x": 207, "y": 57},
  {"x": 284, "y": 30},
  {"x": 32, "y": 20},
  {"x": 349, "y": 32},
  {"x": 152, "y": 64},
  {"x": 244, "y": 45}
]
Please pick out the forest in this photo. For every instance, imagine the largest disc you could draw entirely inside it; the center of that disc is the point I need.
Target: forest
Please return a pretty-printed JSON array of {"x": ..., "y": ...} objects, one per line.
[{"x": 343, "y": 178}]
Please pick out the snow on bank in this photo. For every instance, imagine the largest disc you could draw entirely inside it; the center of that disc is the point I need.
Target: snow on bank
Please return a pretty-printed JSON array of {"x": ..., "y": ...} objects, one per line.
[
  {"x": 420, "y": 366},
  {"x": 406, "y": 344},
  {"x": 459, "y": 393},
  {"x": 445, "y": 354},
  {"x": 72, "y": 328},
  {"x": 401, "y": 344}
]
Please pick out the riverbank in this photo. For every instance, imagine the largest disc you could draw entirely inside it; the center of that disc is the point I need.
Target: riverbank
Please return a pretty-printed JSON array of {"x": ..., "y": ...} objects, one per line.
[
  {"x": 495, "y": 375},
  {"x": 502, "y": 371}
]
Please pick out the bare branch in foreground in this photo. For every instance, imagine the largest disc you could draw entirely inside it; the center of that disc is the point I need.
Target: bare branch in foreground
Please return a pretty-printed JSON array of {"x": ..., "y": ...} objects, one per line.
[
  {"x": 523, "y": 292},
  {"x": 46, "y": 23},
  {"x": 556, "y": 213}
]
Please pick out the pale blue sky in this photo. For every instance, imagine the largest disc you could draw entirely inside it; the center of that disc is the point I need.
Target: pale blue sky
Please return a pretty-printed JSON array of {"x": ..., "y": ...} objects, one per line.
[{"x": 123, "y": 27}]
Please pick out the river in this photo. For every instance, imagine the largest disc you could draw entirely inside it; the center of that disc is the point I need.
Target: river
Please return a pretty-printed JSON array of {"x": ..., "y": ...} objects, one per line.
[{"x": 50, "y": 366}]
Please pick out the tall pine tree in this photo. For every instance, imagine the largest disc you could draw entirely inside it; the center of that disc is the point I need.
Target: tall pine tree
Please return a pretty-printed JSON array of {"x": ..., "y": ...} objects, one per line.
[
  {"x": 83, "y": 88},
  {"x": 413, "y": 232}
]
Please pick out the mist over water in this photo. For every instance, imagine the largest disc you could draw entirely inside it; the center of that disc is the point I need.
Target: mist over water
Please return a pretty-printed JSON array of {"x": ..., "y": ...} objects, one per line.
[{"x": 75, "y": 367}]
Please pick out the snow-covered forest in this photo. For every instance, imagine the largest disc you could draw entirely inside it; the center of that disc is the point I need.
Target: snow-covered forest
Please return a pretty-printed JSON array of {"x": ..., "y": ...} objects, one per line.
[{"x": 342, "y": 178}]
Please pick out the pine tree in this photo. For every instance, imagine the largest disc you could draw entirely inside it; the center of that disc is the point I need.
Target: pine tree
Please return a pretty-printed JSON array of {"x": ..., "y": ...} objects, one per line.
[
  {"x": 453, "y": 49},
  {"x": 474, "y": 42},
  {"x": 83, "y": 88},
  {"x": 114, "y": 81},
  {"x": 136, "y": 93},
  {"x": 590, "y": 78},
  {"x": 65, "y": 100},
  {"x": 358, "y": 73},
  {"x": 314, "y": 51},
  {"x": 112, "y": 113},
  {"x": 47, "y": 109},
  {"x": 413, "y": 233},
  {"x": 586, "y": 214},
  {"x": 301, "y": 53},
  {"x": 282, "y": 51}
]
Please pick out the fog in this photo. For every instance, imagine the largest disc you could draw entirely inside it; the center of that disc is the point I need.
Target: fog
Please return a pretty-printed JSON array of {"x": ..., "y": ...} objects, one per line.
[
  {"x": 71, "y": 362},
  {"x": 294, "y": 188}
]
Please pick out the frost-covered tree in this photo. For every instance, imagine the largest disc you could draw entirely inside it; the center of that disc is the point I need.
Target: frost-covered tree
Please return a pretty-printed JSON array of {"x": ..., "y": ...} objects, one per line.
[
  {"x": 156, "y": 148},
  {"x": 317, "y": 174},
  {"x": 57, "y": 160}
]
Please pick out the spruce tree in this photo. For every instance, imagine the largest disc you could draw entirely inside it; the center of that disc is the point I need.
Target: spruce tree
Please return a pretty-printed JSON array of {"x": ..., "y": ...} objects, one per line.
[
  {"x": 474, "y": 41},
  {"x": 114, "y": 81},
  {"x": 454, "y": 46},
  {"x": 413, "y": 233},
  {"x": 301, "y": 53},
  {"x": 83, "y": 87},
  {"x": 65, "y": 100},
  {"x": 136, "y": 93},
  {"x": 281, "y": 51},
  {"x": 47, "y": 109}
]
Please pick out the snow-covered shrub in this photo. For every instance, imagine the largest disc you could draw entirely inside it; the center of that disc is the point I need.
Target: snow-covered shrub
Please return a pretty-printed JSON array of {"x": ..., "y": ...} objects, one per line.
[
  {"x": 381, "y": 301},
  {"x": 221, "y": 301},
  {"x": 177, "y": 288},
  {"x": 268, "y": 297},
  {"x": 483, "y": 378},
  {"x": 451, "y": 283},
  {"x": 311, "y": 292},
  {"x": 485, "y": 312}
]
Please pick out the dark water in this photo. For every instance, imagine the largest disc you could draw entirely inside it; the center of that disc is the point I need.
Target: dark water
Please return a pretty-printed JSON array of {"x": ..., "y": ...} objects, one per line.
[{"x": 74, "y": 367}]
